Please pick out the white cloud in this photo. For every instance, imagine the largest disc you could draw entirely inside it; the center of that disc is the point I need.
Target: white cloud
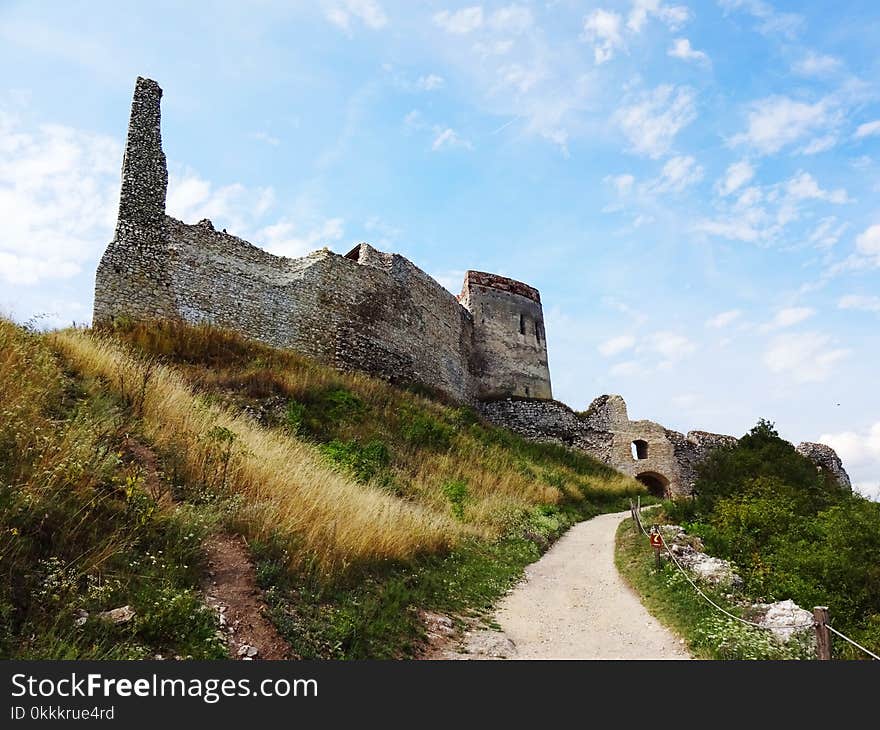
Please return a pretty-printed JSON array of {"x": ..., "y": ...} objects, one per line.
[
  {"x": 368, "y": 12},
  {"x": 678, "y": 173},
  {"x": 604, "y": 29},
  {"x": 868, "y": 242},
  {"x": 788, "y": 317},
  {"x": 723, "y": 319},
  {"x": 430, "y": 82},
  {"x": 868, "y": 129},
  {"x": 448, "y": 137},
  {"x": 671, "y": 345},
  {"x": 623, "y": 184},
  {"x": 514, "y": 19},
  {"x": 287, "y": 239},
  {"x": 770, "y": 22},
  {"x": 681, "y": 49},
  {"x": 803, "y": 186},
  {"x": 819, "y": 144},
  {"x": 460, "y": 22},
  {"x": 674, "y": 16},
  {"x": 267, "y": 138},
  {"x": 827, "y": 233},
  {"x": 735, "y": 229},
  {"x": 860, "y": 453},
  {"x": 629, "y": 368},
  {"x": 806, "y": 357},
  {"x": 616, "y": 345},
  {"x": 866, "y": 255},
  {"x": 778, "y": 121},
  {"x": 868, "y": 489},
  {"x": 450, "y": 280},
  {"x": 737, "y": 175},
  {"x": 816, "y": 64},
  {"x": 236, "y": 207},
  {"x": 59, "y": 191},
  {"x": 651, "y": 123},
  {"x": 860, "y": 302},
  {"x": 442, "y": 136}
]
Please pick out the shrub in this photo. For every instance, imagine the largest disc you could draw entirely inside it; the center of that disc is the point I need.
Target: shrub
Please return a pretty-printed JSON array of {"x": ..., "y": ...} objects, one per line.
[
  {"x": 423, "y": 430},
  {"x": 364, "y": 461},
  {"x": 456, "y": 492}
]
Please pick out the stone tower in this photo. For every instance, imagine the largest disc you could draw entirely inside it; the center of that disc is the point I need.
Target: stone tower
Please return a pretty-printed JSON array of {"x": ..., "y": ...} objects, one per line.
[
  {"x": 133, "y": 276},
  {"x": 510, "y": 346}
]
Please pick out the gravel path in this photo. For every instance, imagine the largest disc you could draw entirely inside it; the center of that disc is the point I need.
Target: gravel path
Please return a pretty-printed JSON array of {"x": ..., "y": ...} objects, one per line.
[{"x": 572, "y": 604}]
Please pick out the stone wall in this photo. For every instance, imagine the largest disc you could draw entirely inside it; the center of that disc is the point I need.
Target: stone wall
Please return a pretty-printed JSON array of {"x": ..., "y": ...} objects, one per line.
[
  {"x": 510, "y": 345},
  {"x": 826, "y": 459},
  {"x": 373, "y": 312},
  {"x": 665, "y": 460},
  {"x": 136, "y": 263},
  {"x": 368, "y": 311}
]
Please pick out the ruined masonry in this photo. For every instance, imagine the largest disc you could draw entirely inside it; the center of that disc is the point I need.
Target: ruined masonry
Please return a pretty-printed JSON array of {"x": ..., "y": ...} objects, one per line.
[{"x": 373, "y": 312}]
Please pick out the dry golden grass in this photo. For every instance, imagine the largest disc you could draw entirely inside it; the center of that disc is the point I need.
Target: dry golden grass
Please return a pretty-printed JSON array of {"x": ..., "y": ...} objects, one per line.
[{"x": 330, "y": 521}]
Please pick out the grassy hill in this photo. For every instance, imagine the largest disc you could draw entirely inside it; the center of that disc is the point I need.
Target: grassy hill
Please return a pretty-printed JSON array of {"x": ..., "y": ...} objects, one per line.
[{"x": 122, "y": 451}]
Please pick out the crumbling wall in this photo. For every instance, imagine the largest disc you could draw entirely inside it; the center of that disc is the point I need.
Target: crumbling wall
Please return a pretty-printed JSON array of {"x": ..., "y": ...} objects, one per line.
[
  {"x": 392, "y": 321},
  {"x": 548, "y": 420},
  {"x": 134, "y": 270},
  {"x": 826, "y": 459},
  {"x": 510, "y": 345}
]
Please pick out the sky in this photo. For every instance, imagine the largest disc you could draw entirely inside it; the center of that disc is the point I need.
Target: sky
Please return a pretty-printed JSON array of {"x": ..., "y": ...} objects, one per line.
[{"x": 694, "y": 187}]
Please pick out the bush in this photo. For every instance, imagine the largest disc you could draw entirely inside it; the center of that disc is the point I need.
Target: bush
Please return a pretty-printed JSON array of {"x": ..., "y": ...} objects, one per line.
[
  {"x": 456, "y": 492},
  {"x": 364, "y": 461},
  {"x": 792, "y": 534},
  {"x": 423, "y": 430}
]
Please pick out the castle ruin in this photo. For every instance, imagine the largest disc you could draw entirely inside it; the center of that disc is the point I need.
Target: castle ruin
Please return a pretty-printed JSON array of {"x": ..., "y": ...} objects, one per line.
[{"x": 373, "y": 312}]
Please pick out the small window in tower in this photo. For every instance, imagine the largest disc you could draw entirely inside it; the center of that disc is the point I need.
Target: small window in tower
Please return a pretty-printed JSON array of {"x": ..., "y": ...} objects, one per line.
[
  {"x": 639, "y": 449},
  {"x": 527, "y": 391},
  {"x": 539, "y": 330},
  {"x": 522, "y": 324}
]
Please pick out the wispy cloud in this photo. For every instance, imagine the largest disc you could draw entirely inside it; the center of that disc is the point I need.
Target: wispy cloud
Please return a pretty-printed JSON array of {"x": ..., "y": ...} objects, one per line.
[
  {"x": 769, "y": 20},
  {"x": 652, "y": 121},
  {"x": 816, "y": 64},
  {"x": 605, "y": 29},
  {"x": 806, "y": 357},
  {"x": 681, "y": 48},
  {"x": 724, "y": 319},
  {"x": 736, "y": 175},
  {"x": 868, "y": 129},
  {"x": 860, "y": 302},
  {"x": 461, "y": 21},
  {"x": 59, "y": 189},
  {"x": 346, "y": 13},
  {"x": 776, "y": 122},
  {"x": 616, "y": 345}
]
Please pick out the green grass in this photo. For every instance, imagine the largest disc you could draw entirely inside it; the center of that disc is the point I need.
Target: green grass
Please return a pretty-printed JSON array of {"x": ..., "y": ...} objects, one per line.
[
  {"x": 376, "y": 616},
  {"x": 668, "y": 596},
  {"x": 86, "y": 526},
  {"x": 82, "y": 530}
]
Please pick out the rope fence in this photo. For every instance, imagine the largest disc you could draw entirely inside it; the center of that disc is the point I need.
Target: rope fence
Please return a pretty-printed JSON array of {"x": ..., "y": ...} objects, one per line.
[{"x": 820, "y": 613}]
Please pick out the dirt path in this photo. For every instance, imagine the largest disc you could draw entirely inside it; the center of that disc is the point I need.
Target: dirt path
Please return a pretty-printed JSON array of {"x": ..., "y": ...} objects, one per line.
[
  {"x": 573, "y": 604},
  {"x": 231, "y": 590}
]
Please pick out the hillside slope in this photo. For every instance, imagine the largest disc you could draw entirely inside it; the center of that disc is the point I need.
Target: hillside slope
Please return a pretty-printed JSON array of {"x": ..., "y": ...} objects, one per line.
[{"x": 362, "y": 503}]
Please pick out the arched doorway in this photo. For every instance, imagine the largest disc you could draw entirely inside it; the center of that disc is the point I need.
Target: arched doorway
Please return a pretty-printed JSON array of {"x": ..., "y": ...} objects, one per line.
[{"x": 657, "y": 484}]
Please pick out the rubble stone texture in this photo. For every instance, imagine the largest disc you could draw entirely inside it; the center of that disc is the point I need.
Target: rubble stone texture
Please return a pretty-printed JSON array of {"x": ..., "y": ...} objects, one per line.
[{"x": 373, "y": 312}]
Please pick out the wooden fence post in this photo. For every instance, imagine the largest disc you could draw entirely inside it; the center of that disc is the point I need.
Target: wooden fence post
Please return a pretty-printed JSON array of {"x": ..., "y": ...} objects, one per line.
[{"x": 823, "y": 635}]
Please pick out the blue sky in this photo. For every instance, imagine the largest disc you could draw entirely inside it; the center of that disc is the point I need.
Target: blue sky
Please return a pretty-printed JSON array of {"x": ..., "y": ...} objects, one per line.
[{"x": 693, "y": 186}]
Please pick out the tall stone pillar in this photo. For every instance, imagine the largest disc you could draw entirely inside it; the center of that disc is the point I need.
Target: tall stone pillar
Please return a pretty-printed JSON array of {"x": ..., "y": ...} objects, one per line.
[{"x": 133, "y": 277}]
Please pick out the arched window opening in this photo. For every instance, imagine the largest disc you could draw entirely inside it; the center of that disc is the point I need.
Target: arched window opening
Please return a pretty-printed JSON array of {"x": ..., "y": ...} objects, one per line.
[
  {"x": 522, "y": 324},
  {"x": 639, "y": 449}
]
